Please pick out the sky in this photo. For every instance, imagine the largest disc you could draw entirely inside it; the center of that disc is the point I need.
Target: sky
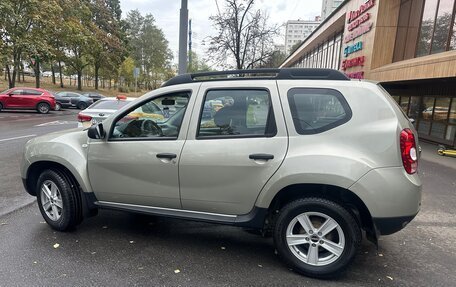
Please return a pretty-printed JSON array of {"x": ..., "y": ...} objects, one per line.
[{"x": 166, "y": 14}]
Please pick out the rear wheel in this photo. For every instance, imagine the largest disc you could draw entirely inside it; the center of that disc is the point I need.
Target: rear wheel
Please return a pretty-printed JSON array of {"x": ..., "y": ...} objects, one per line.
[
  {"x": 316, "y": 237},
  {"x": 82, "y": 106},
  {"x": 58, "y": 106},
  {"x": 43, "y": 108},
  {"x": 58, "y": 201}
]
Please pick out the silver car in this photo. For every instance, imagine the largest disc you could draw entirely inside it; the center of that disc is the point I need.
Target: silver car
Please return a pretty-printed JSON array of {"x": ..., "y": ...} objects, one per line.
[{"x": 304, "y": 155}]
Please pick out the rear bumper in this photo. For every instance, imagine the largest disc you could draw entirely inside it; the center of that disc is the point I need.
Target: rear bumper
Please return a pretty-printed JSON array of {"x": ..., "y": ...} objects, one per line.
[{"x": 390, "y": 225}]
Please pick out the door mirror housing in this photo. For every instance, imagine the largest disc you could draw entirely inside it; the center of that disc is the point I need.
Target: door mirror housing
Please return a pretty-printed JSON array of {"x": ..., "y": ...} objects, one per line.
[{"x": 96, "y": 131}]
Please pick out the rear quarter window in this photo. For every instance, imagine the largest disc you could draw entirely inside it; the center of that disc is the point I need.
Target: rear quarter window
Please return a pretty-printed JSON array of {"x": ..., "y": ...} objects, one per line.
[{"x": 315, "y": 110}]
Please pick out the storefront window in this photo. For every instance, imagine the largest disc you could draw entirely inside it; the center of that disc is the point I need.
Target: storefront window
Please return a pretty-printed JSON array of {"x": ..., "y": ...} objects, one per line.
[
  {"x": 427, "y": 109},
  {"x": 427, "y": 27},
  {"x": 451, "y": 131},
  {"x": 440, "y": 117},
  {"x": 415, "y": 107},
  {"x": 442, "y": 26},
  {"x": 405, "y": 103}
]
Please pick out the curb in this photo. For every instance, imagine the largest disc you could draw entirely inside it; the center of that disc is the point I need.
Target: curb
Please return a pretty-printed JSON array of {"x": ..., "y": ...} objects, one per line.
[{"x": 21, "y": 205}]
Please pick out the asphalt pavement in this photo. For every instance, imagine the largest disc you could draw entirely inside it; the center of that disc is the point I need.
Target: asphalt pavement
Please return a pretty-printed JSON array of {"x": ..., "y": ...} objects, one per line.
[
  {"x": 122, "y": 249},
  {"x": 16, "y": 128}
]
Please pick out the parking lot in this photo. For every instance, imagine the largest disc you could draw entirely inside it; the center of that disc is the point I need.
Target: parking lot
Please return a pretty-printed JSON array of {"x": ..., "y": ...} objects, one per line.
[{"x": 120, "y": 249}]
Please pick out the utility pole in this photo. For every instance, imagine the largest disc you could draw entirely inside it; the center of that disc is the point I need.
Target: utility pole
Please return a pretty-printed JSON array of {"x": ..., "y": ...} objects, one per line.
[
  {"x": 183, "y": 29},
  {"x": 190, "y": 44}
]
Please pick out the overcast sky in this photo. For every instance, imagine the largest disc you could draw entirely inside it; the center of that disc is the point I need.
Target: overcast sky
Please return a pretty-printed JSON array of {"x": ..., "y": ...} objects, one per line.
[{"x": 166, "y": 14}]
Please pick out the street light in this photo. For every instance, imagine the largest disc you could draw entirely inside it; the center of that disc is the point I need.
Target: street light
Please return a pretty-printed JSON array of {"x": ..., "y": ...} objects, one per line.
[{"x": 183, "y": 30}]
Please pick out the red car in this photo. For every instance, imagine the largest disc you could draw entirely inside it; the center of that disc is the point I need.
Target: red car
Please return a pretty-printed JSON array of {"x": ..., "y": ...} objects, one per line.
[{"x": 27, "y": 98}]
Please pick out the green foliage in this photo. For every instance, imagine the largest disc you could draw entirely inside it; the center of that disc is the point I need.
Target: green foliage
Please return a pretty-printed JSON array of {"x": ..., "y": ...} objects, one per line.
[
  {"x": 126, "y": 71},
  {"x": 196, "y": 64}
]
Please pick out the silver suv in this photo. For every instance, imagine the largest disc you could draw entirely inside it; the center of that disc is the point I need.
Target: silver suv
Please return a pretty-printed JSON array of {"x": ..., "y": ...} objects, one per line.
[{"x": 305, "y": 155}]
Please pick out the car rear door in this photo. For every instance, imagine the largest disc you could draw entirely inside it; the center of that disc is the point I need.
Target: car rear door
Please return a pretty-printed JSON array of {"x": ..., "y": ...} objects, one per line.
[
  {"x": 30, "y": 98},
  {"x": 233, "y": 149}
]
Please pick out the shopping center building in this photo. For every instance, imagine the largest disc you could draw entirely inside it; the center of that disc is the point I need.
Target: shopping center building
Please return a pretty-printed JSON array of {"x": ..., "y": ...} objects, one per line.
[{"x": 409, "y": 46}]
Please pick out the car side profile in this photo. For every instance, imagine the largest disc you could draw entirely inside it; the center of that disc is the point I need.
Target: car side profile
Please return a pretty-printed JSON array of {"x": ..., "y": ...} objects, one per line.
[
  {"x": 27, "y": 99},
  {"x": 303, "y": 155},
  {"x": 76, "y": 100}
]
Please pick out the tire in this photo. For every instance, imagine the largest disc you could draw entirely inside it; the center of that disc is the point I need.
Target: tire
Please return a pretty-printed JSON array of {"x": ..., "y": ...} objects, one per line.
[
  {"x": 59, "y": 204},
  {"x": 1, "y": 106},
  {"x": 343, "y": 238},
  {"x": 43, "y": 108},
  {"x": 82, "y": 106},
  {"x": 58, "y": 106}
]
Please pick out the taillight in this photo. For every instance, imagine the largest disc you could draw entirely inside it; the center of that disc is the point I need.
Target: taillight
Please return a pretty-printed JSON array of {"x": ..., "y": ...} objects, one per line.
[
  {"x": 84, "y": 118},
  {"x": 408, "y": 151}
]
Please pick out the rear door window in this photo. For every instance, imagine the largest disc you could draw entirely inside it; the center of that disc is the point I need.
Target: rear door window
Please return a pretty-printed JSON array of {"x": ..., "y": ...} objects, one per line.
[{"x": 315, "y": 110}]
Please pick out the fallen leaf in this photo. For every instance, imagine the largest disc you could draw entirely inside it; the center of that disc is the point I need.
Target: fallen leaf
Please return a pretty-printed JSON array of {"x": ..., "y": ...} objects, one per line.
[
  {"x": 104, "y": 227},
  {"x": 34, "y": 262},
  {"x": 42, "y": 222},
  {"x": 131, "y": 242},
  {"x": 140, "y": 268},
  {"x": 390, "y": 278},
  {"x": 259, "y": 265},
  {"x": 223, "y": 248},
  {"x": 381, "y": 255},
  {"x": 177, "y": 271},
  {"x": 3, "y": 223},
  {"x": 56, "y": 246},
  {"x": 93, "y": 253}
]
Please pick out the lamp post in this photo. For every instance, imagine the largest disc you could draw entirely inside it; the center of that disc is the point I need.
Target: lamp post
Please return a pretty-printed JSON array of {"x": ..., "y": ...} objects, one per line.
[{"x": 183, "y": 30}]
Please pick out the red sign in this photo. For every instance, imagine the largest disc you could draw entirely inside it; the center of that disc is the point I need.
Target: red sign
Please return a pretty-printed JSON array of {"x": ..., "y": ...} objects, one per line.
[
  {"x": 358, "y": 61},
  {"x": 352, "y": 15},
  {"x": 361, "y": 30},
  {"x": 356, "y": 75},
  {"x": 359, "y": 21}
]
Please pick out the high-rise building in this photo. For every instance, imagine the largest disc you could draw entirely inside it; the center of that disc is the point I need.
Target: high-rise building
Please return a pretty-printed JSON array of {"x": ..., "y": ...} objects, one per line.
[
  {"x": 298, "y": 30},
  {"x": 328, "y": 6}
]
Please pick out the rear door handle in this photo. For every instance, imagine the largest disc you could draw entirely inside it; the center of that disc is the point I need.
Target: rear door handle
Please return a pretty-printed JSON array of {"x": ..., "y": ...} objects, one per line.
[
  {"x": 261, "y": 156},
  {"x": 166, "y": 155}
]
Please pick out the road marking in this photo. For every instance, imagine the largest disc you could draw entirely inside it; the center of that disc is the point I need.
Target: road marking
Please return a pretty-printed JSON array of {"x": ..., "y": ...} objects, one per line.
[
  {"x": 56, "y": 123},
  {"x": 16, "y": 138}
]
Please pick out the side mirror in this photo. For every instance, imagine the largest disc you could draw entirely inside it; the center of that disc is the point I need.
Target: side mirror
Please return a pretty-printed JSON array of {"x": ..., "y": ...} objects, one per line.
[{"x": 96, "y": 131}]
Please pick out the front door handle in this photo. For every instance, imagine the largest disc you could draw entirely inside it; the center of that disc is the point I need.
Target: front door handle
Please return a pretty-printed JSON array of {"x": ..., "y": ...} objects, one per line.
[
  {"x": 261, "y": 156},
  {"x": 166, "y": 155}
]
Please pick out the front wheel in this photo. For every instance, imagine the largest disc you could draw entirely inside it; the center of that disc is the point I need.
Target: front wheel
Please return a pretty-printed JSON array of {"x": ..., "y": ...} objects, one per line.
[
  {"x": 82, "y": 106},
  {"x": 57, "y": 200},
  {"x": 316, "y": 237},
  {"x": 58, "y": 106}
]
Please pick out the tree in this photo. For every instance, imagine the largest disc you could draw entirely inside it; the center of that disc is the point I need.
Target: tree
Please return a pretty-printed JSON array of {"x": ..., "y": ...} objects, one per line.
[
  {"x": 148, "y": 47},
  {"x": 107, "y": 48},
  {"x": 243, "y": 34},
  {"x": 126, "y": 71},
  {"x": 275, "y": 60},
  {"x": 24, "y": 29},
  {"x": 295, "y": 47},
  {"x": 197, "y": 65}
]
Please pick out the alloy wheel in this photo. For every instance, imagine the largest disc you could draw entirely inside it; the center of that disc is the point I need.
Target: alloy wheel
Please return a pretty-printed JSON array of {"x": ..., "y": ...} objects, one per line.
[{"x": 51, "y": 200}]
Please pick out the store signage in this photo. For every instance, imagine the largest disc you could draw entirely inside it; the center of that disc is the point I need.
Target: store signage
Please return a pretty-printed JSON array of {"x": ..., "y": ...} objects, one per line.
[
  {"x": 352, "y": 15},
  {"x": 358, "y": 61},
  {"x": 356, "y": 75},
  {"x": 361, "y": 30},
  {"x": 353, "y": 48},
  {"x": 358, "y": 22}
]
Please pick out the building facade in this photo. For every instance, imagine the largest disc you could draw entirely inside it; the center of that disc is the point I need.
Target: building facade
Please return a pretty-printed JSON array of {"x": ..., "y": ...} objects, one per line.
[
  {"x": 298, "y": 30},
  {"x": 328, "y": 6},
  {"x": 409, "y": 46}
]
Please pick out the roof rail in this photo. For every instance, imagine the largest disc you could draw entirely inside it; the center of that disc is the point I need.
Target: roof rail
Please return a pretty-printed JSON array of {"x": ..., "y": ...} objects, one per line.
[{"x": 258, "y": 74}]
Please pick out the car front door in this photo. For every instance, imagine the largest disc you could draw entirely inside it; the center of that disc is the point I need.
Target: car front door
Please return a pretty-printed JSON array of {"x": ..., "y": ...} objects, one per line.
[
  {"x": 237, "y": 140},
  {"x": 15, "y": 99},
  {"x": 138, "y": 162}
]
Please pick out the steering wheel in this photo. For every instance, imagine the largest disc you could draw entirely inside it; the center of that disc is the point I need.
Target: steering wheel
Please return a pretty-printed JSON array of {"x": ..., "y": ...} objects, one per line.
[{"x": 149, "y": 127}]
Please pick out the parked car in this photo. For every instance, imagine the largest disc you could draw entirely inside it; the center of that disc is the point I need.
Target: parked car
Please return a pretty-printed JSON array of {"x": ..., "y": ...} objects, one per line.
[
  {"x": 100, "y": 110},
  {"x": 27, "y": 99},
  {"x": 94, "y": 96},
  {"x": 305, "y": 157},
  {"x": 61, "y": 101},
  {"x": 76, "y": 100},
  {"x": 103, "y": 108}
]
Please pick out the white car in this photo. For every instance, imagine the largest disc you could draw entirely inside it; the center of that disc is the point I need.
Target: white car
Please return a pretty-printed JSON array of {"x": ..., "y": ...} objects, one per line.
[{"x": 100, "y": 110}]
